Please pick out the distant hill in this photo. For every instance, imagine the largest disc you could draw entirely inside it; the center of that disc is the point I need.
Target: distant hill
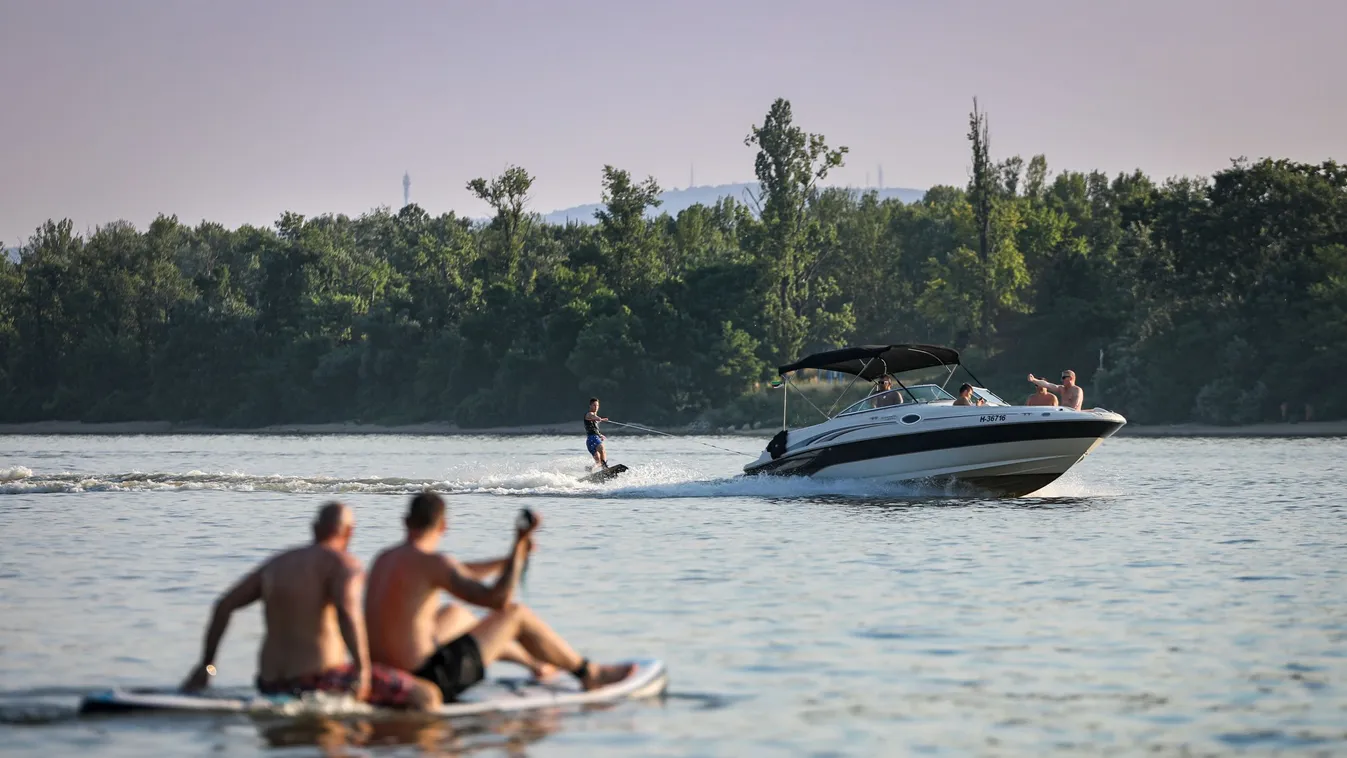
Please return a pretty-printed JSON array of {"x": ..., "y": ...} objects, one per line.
[
  {"x": 12, "y": 253},
  {"x": 677, "y": 200}
]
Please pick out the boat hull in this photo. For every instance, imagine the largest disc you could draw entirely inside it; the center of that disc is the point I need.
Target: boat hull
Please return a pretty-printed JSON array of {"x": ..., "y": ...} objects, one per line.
[{"x": 1004, "y": 459}]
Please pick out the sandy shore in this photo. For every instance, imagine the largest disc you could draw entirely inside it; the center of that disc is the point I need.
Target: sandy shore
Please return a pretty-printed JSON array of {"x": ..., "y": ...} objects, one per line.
[{"x": 1308, "y": 429}]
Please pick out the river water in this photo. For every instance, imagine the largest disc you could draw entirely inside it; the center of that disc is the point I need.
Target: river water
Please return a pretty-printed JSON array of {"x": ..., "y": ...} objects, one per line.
[{"x": 1168, "y": 596}]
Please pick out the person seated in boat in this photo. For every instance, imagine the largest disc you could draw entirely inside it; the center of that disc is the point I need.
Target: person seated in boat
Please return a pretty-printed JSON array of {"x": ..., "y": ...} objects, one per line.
[
  {"x": 594, "y": 440},
  {"x": 965, "y": 395},
  {"x": 448, "y": 646},
  {"x": 1042, "y": 397},
  {"x": 883, "y": 396},
  {"x": 315, "y": 629},
  {"x": 1071, "y": 394}
]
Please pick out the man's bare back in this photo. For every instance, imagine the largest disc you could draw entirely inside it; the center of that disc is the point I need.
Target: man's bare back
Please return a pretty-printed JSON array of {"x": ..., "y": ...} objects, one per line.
[
  {"x": 400, "y": 605},
  {"x": 300, "y": 590},
  {"x": 315, "y": 626},
  {"x": 1042, "y": 397}
]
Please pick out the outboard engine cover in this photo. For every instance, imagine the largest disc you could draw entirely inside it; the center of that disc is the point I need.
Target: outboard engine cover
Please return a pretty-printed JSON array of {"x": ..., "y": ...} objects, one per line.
[{"x": 778, "y": 445}]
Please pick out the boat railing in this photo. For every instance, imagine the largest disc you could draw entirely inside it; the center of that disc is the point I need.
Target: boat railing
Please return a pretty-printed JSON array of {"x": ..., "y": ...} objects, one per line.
[{"x": 922, "y": 393}]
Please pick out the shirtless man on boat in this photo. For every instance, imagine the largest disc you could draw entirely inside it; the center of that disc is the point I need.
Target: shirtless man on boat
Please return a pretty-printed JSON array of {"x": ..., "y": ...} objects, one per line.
[
  {"x": 1070, "y": 392},
  {"x": 315, "y": 630},
  {"x": 448, "y": 646}
]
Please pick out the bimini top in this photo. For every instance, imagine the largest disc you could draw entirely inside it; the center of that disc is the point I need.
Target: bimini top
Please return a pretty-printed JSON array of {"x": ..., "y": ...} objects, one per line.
[{"x": 873, "y": 361}]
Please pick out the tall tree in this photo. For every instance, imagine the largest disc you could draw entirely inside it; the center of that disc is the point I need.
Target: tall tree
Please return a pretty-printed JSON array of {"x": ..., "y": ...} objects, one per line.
[
  {"x": 507, "y": 195},
  {"x": 981, "y": 191},
  {"x": 630, "y": 251},
  {"x": 789, "y": 165}
]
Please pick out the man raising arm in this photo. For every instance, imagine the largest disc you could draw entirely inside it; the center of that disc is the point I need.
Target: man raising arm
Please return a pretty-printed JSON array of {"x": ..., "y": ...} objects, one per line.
[
  {"x": 1072, "y": 395},
  {"x": 408, "y": 631}
]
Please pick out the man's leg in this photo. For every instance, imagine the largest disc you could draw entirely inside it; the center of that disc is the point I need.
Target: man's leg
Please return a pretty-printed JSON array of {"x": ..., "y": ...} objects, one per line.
[
  {"x": 453, "y": 621},
  {"x": 519, "y": 624},
  {"x": 602, "y": 457},
  {"x": 592, "y": 444}
]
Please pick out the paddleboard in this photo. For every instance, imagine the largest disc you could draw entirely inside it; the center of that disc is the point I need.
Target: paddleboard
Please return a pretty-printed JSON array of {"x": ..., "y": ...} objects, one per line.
[
  {"x": 495, "y": 695},
  {"x": 604, "y": 474}
]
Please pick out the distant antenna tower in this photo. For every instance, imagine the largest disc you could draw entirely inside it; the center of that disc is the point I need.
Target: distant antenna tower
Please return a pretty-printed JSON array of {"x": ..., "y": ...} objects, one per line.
[
  {"x": 692, "y": 176},
  {"x": 406, "y": 188},
  {"x": 867, "y": 180},
  {"x": 881, "y": 176}
]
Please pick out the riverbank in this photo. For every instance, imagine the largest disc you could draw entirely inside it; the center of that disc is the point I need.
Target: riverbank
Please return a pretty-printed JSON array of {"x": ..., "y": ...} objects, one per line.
[
  {"x": 1306, "y": 429},
  {"x": 1303, "y": 429}
]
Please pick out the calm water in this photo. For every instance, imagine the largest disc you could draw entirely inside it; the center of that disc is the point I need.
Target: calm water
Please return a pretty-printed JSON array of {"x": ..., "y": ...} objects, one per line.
[{"x": 1166, "y": 597}]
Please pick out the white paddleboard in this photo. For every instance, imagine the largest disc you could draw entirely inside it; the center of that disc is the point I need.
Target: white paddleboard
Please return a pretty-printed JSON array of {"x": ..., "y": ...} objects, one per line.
[{"x": 499, "y": 695}]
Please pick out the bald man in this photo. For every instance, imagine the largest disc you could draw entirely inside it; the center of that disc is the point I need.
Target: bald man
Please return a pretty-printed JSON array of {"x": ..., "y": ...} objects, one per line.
[{"x": 315, "y": 627}]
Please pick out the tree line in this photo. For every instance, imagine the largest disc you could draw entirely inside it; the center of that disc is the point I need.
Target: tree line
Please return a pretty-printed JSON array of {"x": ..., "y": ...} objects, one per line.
[{"x": 1213, "y": 299}]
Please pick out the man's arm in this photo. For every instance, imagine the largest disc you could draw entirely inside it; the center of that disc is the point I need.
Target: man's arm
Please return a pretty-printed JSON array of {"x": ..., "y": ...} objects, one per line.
[
  {"x": 245, "y": 592},
  {"x": 1045, "y": 384},
  {"x": 456, "y": 579},
  {"x": 345, "y": 590},
  {"x": 481, "y": 570}
]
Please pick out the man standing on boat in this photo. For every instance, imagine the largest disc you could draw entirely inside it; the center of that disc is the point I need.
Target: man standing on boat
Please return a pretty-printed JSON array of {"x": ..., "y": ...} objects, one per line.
[
  {"x": 315, "y": 628},
  {"x": 448, "y": 646},
  {"x": 594, "y": 440},
  {"x": 1071, "y": 393}
]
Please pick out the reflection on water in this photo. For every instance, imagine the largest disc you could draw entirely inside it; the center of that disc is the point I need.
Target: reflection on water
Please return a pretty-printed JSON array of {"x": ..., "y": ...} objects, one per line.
[
  {"x": 432, "y": 736},
  {"x": 1167, "y": 596}
]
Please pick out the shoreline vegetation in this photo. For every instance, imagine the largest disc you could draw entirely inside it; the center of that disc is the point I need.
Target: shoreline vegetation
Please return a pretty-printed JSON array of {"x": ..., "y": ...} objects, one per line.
[
  {"x": 1307, "y": 429},
  {"x": 1214, "y": 300}
]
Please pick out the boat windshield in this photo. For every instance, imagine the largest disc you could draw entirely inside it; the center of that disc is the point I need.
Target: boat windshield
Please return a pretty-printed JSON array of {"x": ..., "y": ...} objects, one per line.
[
  {"x": 989, "y": 396},
  {"x": 922, "y": 393}
]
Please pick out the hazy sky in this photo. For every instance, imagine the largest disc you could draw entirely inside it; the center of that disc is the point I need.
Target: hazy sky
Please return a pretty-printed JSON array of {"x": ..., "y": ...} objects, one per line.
[{"x": 237, "y": 111}]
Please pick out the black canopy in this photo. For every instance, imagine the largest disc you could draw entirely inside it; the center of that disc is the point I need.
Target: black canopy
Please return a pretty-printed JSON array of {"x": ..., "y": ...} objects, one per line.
[{"x": 882, "y": 359}]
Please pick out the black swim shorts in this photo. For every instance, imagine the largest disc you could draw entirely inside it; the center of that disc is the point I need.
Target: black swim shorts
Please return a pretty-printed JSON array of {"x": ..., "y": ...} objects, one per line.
[{"x": 456, "y": 666}]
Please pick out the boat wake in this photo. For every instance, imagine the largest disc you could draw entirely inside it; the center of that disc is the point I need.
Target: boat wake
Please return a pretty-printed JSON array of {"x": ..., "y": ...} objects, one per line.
[{"x": 646, "y": 481}]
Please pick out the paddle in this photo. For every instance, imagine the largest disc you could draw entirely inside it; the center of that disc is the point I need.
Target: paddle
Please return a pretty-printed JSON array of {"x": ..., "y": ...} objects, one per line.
[{"x": 522, "y": 523}]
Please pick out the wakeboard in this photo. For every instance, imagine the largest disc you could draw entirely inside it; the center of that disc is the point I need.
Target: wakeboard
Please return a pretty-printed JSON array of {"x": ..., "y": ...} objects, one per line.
[
  {"x": 604, "y": 474},
  {"x": 648, "y": 679}
]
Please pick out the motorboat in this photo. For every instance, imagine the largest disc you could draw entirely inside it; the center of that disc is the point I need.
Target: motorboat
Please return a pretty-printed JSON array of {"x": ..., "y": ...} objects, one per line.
[{"x": 918, "y": 433}]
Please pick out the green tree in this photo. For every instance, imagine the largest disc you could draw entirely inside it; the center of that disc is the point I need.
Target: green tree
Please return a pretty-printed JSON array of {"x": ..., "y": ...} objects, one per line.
[
  {"x": 789, "y": 165},
  {"x": 508, "y": 196}
]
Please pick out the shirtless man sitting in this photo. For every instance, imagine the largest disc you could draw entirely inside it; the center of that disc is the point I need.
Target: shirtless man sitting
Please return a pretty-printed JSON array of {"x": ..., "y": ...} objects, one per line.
[
  {"x": 1042, "y": 397},
  {"x": 965, "y": 395},
  {"x": 315, "y": 630},
  {"x": 1071, "y": 393},
  {"x": 448, "y": 646}
]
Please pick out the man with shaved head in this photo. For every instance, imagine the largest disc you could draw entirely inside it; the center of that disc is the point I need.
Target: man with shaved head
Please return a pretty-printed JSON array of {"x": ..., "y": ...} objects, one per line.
[{"x": 315, "y": 627}]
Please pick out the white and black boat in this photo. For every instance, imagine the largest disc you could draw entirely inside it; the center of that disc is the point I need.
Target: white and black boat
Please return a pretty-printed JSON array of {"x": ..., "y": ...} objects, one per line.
[{"x": 917, "y": 433}]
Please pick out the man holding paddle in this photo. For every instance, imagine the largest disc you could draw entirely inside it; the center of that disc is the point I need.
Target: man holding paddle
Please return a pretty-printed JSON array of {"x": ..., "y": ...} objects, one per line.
[{"x": 449, "y": 646}]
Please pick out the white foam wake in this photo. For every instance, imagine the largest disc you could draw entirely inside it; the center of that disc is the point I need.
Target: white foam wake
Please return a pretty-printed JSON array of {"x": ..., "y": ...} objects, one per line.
[{"x": 648, "y": 481}]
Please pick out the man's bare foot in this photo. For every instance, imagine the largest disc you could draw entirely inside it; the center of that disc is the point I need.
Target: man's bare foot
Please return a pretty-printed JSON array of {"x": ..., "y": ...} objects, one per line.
[
  {"x": 544, "y": 671},
  {"x": 602, "y": 675}
]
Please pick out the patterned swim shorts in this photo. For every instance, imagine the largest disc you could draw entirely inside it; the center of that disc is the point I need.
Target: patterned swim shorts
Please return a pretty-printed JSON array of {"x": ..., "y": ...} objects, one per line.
[{"x": 389, "y": 687}]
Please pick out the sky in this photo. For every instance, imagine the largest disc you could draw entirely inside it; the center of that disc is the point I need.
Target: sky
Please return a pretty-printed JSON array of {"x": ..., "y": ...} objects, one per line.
[{"x": 238, "y": 111}]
